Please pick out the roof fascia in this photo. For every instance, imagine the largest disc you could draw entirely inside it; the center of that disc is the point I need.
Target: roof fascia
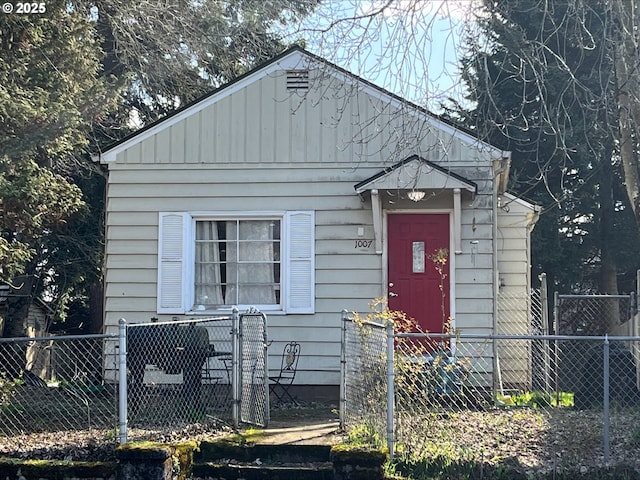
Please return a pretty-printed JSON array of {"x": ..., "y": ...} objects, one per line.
[{"x": 513, "y": 199}]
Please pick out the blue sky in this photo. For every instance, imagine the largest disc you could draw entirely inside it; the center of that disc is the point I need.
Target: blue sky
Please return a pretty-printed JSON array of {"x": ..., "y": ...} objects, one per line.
[{"x": 409, "y": 47}]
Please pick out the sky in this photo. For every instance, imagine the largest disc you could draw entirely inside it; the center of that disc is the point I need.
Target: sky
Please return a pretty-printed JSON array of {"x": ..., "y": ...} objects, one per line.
[{"x": 409, "y": 47}]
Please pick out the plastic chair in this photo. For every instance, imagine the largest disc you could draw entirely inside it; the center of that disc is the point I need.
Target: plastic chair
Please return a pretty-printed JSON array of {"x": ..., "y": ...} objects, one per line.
[{"x": 282, "y": 382}]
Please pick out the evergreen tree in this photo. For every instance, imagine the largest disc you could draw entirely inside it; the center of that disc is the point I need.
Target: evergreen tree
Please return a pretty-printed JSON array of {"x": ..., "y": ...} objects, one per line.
[
  {"x": 77, "y": 78},
  {"x": 173, "y": 53},
  {"x": 50, "y": 91},
  {"x": 543, "y": 88}
]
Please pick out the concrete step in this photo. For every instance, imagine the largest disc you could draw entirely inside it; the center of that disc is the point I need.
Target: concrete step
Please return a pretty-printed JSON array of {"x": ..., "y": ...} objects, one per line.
[
  {"x": 221, "y": 460},
  {"x": 233, "y": 471}
]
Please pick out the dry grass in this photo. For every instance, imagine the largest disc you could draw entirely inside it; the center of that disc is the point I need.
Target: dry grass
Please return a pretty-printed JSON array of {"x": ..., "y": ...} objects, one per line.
[
  {"x": 98, "y": 444},
  {"x": 531, "y": 441}
]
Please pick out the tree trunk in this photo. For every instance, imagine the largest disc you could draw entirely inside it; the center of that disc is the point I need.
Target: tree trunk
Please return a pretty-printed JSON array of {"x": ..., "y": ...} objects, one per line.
[
  {"x": 608, "y": 266},
  {"x": 95, "y": 308},
  {"x": 628, "y": 102},
  {"x": 608, "y": 270}
]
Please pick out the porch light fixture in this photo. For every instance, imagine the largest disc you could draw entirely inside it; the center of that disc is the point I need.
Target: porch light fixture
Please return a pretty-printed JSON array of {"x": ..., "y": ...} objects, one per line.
[{"x": 416, "y": 195}]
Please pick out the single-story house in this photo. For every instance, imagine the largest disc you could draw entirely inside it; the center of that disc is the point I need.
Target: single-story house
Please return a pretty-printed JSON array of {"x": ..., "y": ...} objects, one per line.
[{"x": 302, "y": 189}]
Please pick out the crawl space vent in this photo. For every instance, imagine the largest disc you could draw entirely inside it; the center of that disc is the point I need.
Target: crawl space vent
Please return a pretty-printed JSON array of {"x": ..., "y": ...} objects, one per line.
[{"x": 297, "y": 79}]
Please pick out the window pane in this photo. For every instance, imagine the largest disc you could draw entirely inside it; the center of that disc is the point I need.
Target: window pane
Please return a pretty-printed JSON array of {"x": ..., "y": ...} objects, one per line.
[
  {"x": 208, "y": 281},
  {"x": 418, "y": 257},
  {"x": 237, "y": 262}
]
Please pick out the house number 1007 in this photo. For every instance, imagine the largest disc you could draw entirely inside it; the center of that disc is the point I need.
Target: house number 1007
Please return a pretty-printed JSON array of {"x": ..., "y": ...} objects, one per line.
[{"x": 363, "y": 243}]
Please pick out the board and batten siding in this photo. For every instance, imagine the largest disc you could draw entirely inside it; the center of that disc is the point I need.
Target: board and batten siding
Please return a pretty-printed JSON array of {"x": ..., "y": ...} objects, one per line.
[{"x": 263, "y": 148}]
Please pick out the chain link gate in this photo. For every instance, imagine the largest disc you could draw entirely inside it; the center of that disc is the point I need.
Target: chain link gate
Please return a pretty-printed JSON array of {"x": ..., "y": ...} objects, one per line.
[
  {"x": 196, "y": 371},
  {"x": 363, "y": 375},
  {"x": 254, "y": 386}
]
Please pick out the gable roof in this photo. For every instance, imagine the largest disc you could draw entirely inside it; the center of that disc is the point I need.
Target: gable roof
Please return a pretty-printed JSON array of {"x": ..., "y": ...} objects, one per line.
[
  {"x": 415, "y": 173},
  {"x": 291, "y": 59}
]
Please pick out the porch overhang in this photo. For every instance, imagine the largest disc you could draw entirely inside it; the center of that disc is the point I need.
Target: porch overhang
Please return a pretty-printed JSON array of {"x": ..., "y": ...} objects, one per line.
[{"x": 415, "y": 175}]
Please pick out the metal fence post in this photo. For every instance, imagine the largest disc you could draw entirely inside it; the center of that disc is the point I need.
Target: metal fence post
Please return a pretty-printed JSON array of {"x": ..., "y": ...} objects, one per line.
[
  {"x": 546, "y": 346},
  {"x": 390, "y": 389},
  {"x": 606, "y": 412},
  {"x": 265, "y": 378},
  {"x": 556, "y": 346},
  {"x": 343, "y": 364},
  {"x": 235, "y": 364},
  {"x": 122, "y": 381}
]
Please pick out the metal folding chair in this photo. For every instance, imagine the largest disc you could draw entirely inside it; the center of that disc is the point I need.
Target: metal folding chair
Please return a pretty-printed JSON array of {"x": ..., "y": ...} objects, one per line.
[
  {"x": 216, "y": 375},
  {"x": 281, "y": 383}
]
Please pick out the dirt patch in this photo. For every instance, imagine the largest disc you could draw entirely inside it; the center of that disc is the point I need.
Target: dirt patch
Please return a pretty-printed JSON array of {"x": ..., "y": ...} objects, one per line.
[
  {"x": 289, "y": 425},
  {"x": 528, "y": 440},
  {"x": 97, "y": 444}
]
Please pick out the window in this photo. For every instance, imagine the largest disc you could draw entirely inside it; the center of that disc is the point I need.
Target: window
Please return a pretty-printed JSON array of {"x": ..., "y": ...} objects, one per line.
[
  {"x": 237, "y": 262},
  {"x": 215, "y": 261}
]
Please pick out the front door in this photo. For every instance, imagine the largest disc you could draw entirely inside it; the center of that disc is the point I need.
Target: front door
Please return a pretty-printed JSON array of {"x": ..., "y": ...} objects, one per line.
[{"x": 418, "y": 255}]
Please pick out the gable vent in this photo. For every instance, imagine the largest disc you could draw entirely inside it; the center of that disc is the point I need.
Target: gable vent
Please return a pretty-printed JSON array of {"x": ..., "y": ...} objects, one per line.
[{"x": 297, "y": 79}]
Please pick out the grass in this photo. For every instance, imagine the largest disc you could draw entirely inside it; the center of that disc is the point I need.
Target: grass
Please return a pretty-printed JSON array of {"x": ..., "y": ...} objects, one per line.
[{"x": 537, "y": 399}]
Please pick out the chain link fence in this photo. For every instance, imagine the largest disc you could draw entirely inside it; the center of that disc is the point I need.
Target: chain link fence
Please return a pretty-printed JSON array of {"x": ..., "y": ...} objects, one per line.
[
  {"x": 591, "y": 314},
  {"x": 51, "y": 384},
  {"x": 363, "y": 389},
  {"x": 179, "y": 372},
  {"x": 534, "y": 400},
  {"x": 152, "y": 378}
]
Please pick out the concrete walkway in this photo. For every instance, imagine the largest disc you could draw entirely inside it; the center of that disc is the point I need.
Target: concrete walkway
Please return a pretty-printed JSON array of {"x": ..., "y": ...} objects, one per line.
[{"x": 302, "y": 427}]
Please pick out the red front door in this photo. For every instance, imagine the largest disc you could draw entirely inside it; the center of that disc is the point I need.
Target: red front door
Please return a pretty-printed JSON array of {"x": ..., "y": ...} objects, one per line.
[{"x": 418, "y": 248}]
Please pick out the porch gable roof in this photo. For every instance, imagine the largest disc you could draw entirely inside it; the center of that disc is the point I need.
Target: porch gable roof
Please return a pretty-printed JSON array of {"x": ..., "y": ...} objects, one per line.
[{"x": 415, "y": 173}]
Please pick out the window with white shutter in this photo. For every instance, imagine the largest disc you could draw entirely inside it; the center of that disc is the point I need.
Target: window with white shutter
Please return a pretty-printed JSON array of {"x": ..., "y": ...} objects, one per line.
[{"x": 214, "y": 261}]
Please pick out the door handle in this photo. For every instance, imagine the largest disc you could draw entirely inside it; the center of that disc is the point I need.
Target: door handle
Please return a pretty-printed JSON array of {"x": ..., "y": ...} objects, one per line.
[{"x": 391, "y": 294}]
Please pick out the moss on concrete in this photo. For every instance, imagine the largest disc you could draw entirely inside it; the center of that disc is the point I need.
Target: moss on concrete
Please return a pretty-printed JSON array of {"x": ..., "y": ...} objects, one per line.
[
  {"x": 358, "y": 454},
  {"x": 9, "y": 468},
  {"x": 141, "y": 451}
]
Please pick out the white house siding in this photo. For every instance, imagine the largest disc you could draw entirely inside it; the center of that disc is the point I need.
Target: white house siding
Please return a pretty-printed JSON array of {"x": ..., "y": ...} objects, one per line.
[
  {"x": 515, "y": 222},
  {"x": 346, "y": 277},
  {"x": 264, "y": 148}
]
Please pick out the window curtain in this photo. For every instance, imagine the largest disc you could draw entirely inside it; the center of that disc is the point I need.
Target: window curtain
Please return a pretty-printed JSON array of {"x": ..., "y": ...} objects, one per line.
[
  {"x": 208, "y": 282},
  {"x": 250, "y": 257}
]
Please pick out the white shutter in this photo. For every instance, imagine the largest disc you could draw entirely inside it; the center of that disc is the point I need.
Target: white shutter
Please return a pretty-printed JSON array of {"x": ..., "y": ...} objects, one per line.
[
  {"x": 300, "y": 262},
  {"x": 171, "y": 264}
]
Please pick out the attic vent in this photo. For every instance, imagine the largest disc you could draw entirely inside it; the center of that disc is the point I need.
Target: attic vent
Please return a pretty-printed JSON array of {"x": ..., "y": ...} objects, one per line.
[{"x": 297, "y": 79}]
